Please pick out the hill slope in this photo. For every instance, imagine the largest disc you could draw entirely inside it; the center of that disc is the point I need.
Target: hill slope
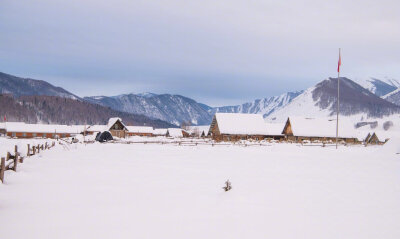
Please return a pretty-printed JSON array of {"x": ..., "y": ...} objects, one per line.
[
  {"x": 18, "y": 86},
  {"x": 53, "y": 109}
]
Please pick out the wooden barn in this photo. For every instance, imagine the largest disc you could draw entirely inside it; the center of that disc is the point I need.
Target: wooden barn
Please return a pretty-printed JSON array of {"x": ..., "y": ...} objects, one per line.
[
  {"x": 117, "y": 128},
  {"x": 299, "y": 129},
  {"x": 22, "y": 130},
  {"x": 140, "y": 131},
  {"x": 234, "y": 127}
]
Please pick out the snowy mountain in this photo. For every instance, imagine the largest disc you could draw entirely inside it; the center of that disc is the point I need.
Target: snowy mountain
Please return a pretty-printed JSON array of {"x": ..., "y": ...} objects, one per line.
[
  {"x": 58, "y": 110},
  {"x": 265, "y": 106},
  {"x": 320, "y": 101},
  {"x": 18, "y": 86},
  {"x": 171, "y": 108},
  {"x": 393, "y": 97},
  {"x": 379, "y": 87}
]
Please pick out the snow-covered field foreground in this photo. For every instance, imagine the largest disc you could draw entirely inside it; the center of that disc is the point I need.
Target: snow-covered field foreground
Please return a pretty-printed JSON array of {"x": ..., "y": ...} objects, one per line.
[{"x": 167, "y": 191}]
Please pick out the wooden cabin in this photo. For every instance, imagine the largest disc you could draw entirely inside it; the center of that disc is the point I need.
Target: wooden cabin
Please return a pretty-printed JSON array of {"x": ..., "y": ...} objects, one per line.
[
  {"x": 117, "y": 128},
  {"x": 140, "y": 131},
  {"x": 235, "y": 127},
  {"x": 22, "y": 130},
  {"x": 299, "y": 129}
]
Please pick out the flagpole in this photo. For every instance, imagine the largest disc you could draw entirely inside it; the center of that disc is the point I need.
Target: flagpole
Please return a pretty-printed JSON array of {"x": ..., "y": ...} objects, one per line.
[{"x": 338, "y": 100}]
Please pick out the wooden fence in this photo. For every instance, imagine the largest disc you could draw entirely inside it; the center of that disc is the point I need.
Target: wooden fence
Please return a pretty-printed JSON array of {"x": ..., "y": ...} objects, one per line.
[{"x": 11, "y": 161}]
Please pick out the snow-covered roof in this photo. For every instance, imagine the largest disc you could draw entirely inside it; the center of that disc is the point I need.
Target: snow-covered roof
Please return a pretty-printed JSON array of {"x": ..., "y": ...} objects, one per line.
[
  {"x": 198, "y": 130},
  {"x": 324, "y": 127},
  {"x": 41, "y": 128},
  {"x": 275, "y": 128},
  {"x": 244, "y": 124},
  {"x": 175, "y": 132},
  {"x": 140, "y": 129},
  {"x": 160, "y": 131},
  {"x": 96, "y": 128},
  {"x": 2, "y": 125},
  {"x": 112, "y": 121}
]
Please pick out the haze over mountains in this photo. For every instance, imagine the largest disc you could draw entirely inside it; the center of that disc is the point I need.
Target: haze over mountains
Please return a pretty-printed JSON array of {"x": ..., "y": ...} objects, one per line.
[{"x": 368, "y": 97}]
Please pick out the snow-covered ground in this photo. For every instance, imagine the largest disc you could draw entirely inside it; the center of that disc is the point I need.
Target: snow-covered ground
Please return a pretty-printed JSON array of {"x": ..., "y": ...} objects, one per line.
[
  {"x": 171, "y": 191},
  {"x": 8, "y": 145}
]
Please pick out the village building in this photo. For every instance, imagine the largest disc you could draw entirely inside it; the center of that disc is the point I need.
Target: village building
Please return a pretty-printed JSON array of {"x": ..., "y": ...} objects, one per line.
[
  {"x": 22, "y": 130},
  {"x": 94, "y": 129},
  {"x": 176, "y": 133},
  {"x": 140, "y": 131},
  {"x": 160, "y": 132},
  {"x": 299, "y": 129},
  {"x": 117, "y": 128},
  {"x": 234, "y": 127},
  {"x": 275, "y": 131}
]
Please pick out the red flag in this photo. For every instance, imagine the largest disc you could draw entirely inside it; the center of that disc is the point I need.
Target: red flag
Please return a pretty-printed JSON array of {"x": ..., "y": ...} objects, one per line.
[
  {"x": 339, "y": 62},
  {"x": 5, "y": 118}
]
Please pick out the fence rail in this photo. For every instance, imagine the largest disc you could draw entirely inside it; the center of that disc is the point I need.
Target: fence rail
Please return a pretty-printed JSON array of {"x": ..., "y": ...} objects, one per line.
[{"x": 11, "y": 161}]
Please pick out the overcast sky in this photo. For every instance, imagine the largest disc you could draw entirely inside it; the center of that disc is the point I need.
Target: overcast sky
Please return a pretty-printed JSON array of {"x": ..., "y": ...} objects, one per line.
[{"x": 218, "y": 52}]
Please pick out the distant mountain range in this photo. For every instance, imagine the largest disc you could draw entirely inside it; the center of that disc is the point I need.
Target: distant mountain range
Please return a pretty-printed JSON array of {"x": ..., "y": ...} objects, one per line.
[
  {"x": 370, "y": 97},
  {"x": 265, "y": 106},
  {"x": 321, "y": 101},
  {"x": 174, "y": 109}
]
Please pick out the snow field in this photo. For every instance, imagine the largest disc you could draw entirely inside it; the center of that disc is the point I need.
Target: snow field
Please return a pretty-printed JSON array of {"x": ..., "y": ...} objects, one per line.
[{"x": 169, "y": 191}]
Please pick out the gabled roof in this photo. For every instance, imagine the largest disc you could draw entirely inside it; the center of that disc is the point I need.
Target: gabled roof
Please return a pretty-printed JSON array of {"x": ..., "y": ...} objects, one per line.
[
  {"x": 175, "y": 132},
  {"x": 21, "y": 127},
  {"x": 140, "y": 129},
  {"x": 323, "y": 127},
  {"x": 114, "y": 120},
  {"x": 96, "y": 128},
  {"x": 275, "y": 128},
  {"x": 242, "y": 124},
  {"x": 160, "y": 131}
]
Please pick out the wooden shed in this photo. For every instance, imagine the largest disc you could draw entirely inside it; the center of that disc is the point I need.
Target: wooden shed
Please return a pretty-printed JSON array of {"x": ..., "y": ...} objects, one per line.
[
  {"x": 299, "y": 129},
  {"x": 22, "y": 130},
  {"x": 235, "y": 126},
  {"x": 140, "y": 131},
  {"x": 117, "y": 128}
]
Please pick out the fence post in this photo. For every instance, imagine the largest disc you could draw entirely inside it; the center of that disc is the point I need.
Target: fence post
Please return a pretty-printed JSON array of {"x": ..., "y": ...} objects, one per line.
[
  {"x": 33, "y": 150},
  {"x": 38, "y": 148},
  {"x": 29, "y": 151},
  {"x": 2, "y": 169},
  {"x": 15, "y": 158}
]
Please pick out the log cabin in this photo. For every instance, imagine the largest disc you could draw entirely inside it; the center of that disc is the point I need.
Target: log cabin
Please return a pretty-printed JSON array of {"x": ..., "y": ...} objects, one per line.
[
  {"x": 22, "y": 130},
  {"x": 299, "y": 129},
  {"x": 140, "y": 131},
  {"x": 116, "y": 127},
  {"x": 235, "y": 127}
]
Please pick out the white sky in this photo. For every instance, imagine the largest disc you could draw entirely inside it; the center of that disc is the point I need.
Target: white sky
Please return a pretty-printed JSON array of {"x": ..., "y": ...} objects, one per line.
[{"x": 217, "y": 52}]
